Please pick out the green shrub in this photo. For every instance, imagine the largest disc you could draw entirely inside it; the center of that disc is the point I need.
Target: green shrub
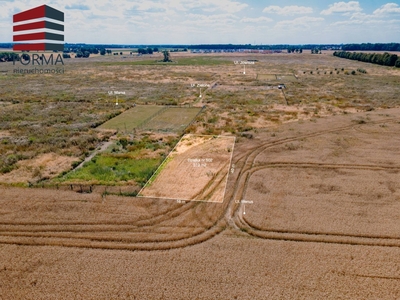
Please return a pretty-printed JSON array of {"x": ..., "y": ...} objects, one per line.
[{"x": 108, "y": 169}]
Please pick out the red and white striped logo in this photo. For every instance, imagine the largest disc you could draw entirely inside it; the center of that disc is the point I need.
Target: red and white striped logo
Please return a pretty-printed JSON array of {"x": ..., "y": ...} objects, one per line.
[{"x": 39, "y": 29}]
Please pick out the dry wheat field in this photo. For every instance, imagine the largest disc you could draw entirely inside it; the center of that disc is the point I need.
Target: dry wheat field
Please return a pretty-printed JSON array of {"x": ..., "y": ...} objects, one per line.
[
  {"x": 312, "y": 199},
  {"x": 321, "y": 221}
]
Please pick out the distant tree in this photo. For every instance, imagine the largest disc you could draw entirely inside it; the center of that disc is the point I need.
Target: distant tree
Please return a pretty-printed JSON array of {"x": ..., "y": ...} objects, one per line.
[
  {"x": 103, "y": 51},
  {"x": 25, "y": 56},
  {"x": 109, "y": 52},
  {"x": 397, "y": 63},
  {"x": 155, "y": 50},
  {"x": 120, "y": 53},
  {"x": 167, "y": 56},
  {"x": 301, "y": 50},
  {"x": 149, "y": 51},
  {"x": 86, "y": 54},
  {"x": 66, "y": 55},
  {"x": 79, "y": 54}
]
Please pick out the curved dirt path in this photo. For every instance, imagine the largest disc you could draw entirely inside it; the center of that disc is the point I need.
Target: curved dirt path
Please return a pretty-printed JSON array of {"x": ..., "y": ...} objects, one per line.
[{"x": 165, "y": 231}]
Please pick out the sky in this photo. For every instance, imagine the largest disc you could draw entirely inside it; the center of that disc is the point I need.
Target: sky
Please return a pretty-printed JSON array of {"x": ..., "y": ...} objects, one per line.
[{"x": 218, "y": 21}]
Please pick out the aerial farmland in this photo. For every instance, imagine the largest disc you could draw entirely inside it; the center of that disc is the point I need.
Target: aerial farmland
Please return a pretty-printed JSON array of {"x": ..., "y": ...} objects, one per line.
[{"x": 192, "y": 179}]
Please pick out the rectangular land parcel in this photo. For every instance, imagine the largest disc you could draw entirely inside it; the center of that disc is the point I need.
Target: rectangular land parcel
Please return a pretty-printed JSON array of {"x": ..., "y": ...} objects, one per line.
[
  {"x": 132, "y": 118},
  {"x": 196, "y": 170},
  {"x": 171, "y": 119}
]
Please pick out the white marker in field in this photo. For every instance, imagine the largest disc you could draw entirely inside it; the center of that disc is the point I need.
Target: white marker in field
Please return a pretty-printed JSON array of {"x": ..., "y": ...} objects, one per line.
[
  {"x": 116, "y": 101},
  {"x": 244, "y": 202},
  {"x": 200, "y": 93},
  {"x": 244, "y": 70}
]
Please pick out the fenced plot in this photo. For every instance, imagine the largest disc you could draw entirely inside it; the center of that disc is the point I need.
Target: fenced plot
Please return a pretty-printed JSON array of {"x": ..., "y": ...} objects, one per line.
[
  {"x": 171, "y": 119},
  {"x": 196, "y": 170},
  {"x": 132, "y": 118}
]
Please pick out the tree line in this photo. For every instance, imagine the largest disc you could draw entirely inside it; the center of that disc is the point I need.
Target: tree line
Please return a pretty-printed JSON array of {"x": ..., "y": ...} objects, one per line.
[
  {"x": 372, "y": 47},
  {"x": 147, "y": 50},
  {"x": 294, "y": 50},
  {"x": 345, "y": 47},
  {"x": 9, "y": 56},
  {"x": 385, "y": 59}
]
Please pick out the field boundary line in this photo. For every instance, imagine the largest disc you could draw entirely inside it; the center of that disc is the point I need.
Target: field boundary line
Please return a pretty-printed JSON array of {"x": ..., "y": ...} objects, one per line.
[
  {"x": 229, "y": 168},
  {"x": 194, "y": 119},
  {"x": 165, "y": 162},
  {"x": 156, "y": 171},
  {"x": 140, "y": 126}
]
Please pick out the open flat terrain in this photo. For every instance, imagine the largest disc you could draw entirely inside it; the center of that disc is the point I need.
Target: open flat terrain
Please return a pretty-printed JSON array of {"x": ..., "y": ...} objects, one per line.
[
  {"x": 319, "y": 226},
  {"x": 312, "y": 200}
]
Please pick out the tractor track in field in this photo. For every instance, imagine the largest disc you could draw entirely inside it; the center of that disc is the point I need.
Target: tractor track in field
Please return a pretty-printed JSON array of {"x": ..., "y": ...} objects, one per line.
[
  {"x": 157, "y": 232},
  {"x": 89, "y": 235},
  {"x": 238, "y": 221}
]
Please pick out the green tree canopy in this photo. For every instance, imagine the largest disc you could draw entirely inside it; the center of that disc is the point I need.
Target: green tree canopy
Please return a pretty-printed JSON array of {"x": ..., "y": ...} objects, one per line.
[{"x": 167, "y": 56}]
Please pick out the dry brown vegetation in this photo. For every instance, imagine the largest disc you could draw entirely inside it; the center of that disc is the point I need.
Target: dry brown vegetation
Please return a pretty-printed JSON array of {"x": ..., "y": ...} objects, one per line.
[{"x": 310, "y": 211}]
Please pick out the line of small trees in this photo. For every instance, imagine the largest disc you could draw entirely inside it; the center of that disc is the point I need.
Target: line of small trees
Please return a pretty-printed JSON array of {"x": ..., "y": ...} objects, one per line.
[
  {"x": 372, "y": 47},
  {"x": 80, "y": 54},
  {"x": 9, "y": 56},
  {"x": 294, "y": 50},
  {"x": 385, "y": 59},
  {"x": 91, "y": 50},
  {"x": 147, "y": 51}
]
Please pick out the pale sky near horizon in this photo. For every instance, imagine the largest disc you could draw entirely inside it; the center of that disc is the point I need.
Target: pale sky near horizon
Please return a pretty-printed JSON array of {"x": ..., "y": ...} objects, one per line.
[{"x": 218, "y": 21}]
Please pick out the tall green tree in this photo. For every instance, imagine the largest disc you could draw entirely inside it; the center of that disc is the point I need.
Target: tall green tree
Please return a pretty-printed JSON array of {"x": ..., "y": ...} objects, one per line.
[{"x": 167, "y": 56}]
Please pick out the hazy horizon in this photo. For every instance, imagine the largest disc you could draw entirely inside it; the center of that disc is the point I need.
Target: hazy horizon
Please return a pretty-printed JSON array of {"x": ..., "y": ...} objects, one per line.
[{"x": 188, "y": 22}]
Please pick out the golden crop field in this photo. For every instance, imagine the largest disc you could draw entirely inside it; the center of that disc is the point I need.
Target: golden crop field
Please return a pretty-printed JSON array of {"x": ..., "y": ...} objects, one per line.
[{"x": 312, "y": 197}]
